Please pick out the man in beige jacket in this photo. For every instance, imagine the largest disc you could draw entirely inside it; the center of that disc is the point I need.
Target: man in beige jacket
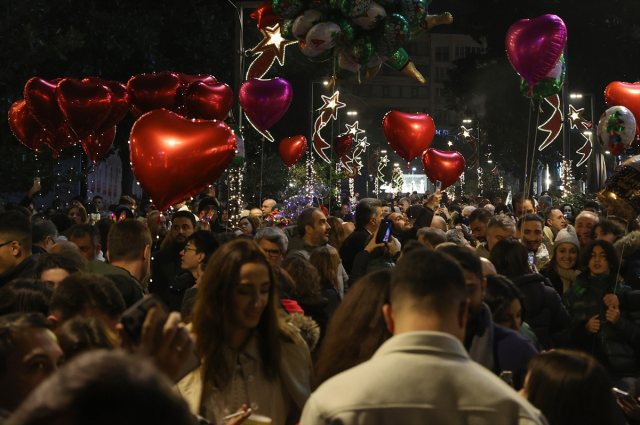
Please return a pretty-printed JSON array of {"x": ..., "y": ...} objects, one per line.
[{"x": 422, "y": 374}]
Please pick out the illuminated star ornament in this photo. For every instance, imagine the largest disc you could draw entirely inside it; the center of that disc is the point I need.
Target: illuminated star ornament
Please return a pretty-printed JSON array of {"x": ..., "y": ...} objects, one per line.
[
  {"x": 268, "y": 50},
  {"x": 328, "y": 111},
  {"x": 575, "y": 115},
  {"x": 353, "y": 129},
  {"x": 471, "y": 141},
  {"x": 466, "y": 133}
]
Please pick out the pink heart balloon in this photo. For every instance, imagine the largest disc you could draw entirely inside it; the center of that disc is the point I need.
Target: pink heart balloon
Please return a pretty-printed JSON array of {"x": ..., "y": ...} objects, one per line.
[
  {"x": 534, "y": 46},
  {"x": 265, "y": 101}
]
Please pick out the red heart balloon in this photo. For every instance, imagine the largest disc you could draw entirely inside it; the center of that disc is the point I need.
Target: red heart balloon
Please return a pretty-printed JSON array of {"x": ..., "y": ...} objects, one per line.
[
  {"x": 154, "y": 91},
  {"x": 97, "y": 145},
  {"x": 265, "y": 16},
  {"x": 408, "y": 134},
  {"x": 265, "y": 101},
  {"x": 292, "y": 149},
  {"x": 443, "y": 166},
  {"x": 624, "y": 94},
  {"x": 174, "y": 158},
  {"x": 186, "y": 79},
  {"x": 85, "y": 105},
  {"x": 40, "y": 96},
  {"x": 63, "y": 138},
  {"x": 208, "y": 101},
  {"x": 25, "y": 128},
  {"x": 342, "y": 144},
  {"x": 120, "y": 101}
]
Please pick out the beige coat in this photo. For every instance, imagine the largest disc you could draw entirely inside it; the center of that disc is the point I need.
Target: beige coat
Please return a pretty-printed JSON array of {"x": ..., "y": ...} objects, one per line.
[
  {"x": 419, "y": 378},
  {"x": 280, "y": 400}
]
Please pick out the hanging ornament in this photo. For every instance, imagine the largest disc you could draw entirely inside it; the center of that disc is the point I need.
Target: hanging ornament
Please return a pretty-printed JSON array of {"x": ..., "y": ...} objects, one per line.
[
  {"x": 328, "y": 111},
  {"x": 270, "y": 48},
  {"x": 264, "y": 102},
  {"x": 553, "y": 125}
]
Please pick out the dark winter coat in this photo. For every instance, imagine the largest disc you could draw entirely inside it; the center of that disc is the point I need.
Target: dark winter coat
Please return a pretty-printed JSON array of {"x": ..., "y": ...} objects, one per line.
[
  {"x": 174, "y": 296},
  {"x": 543, "y": 308},
  {"x": 613, "y": 345},
  {"x": 554, "y": 278},
  {"x": 629, "y": 250}
]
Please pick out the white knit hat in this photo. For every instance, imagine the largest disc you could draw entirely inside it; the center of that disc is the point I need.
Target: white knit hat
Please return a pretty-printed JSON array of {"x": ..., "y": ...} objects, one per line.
[{"x": 567, "y": 235}]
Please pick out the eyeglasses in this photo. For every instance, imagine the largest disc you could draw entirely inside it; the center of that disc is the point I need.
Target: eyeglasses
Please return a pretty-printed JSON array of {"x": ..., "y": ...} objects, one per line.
[
  {"x": 6, "y": 243},
  {"x": 272, "y": 252},
  {"x": 188, "y": 248}
]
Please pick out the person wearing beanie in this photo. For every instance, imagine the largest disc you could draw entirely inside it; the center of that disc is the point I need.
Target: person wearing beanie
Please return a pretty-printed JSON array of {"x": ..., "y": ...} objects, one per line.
[{"x": 562, "y": 269}]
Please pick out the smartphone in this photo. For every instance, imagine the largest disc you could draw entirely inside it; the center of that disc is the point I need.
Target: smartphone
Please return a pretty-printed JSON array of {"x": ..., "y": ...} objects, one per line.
[
  {"x": 507, "y": 376},
  {"x": 133, "y": 319},
  {"x": 384, "y": 232},
  {"x": 619, "y": 393},
  {"x": 532, "y": 262},
  {"x": 438, "y": 185}
]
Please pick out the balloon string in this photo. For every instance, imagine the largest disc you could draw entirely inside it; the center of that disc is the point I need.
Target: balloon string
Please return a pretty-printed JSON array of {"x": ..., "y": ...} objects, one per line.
[
  {"x": 526, "y": 160},
  {"x": 535, "y": 141}
]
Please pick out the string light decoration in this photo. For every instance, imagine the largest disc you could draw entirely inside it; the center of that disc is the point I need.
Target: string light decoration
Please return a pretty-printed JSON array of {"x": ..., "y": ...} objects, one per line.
[
  {"x": 480, "y": 181},
  {"x": 553, "y": 125},
  {"x": 567, "y": 177},
  {"x": 575, "y": 115},
  {"x": 397, "y": 178},
  {"x": 328, "y": 111},
  {"x": 501, "y": 182},
  {"x": 235, "y": 206},
  {"x": 382, "y": 162},
  {"x": 352, "y": 194},
  {"x": 271, "y": 47}
]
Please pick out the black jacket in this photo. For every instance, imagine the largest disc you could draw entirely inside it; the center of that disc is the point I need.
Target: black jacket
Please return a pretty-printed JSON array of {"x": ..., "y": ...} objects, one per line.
[
  {"x": 165, "y": 264},
  {"x": 175, "y": 292},
  {"x": 543, "y": 308},
  {"x": 351, "y": 246},
  {"x": 23, "y": 270},
  {"x": 615, "y": 346},
  {"x": 554, "y": 278}
]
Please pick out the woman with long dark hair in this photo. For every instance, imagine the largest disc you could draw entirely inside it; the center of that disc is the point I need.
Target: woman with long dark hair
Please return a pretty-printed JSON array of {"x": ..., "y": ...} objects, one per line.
[
  {"x": 546, "y": 315},
  {"x": 606, "y": 331},
  {"x": 357, "y": 328},
  {"x": 249, "y": 355},
  {"x": 569, "y": 388}
]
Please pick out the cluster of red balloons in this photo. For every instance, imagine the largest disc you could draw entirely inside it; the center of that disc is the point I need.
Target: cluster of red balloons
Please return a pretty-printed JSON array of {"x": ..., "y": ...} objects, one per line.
[{"x": 65, "y": 111}]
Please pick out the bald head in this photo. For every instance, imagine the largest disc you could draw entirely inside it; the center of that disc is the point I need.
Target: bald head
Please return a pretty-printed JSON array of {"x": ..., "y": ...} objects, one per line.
[
  {"x": 267, "y": 206},
  {"x": 64, "y": 246},
  {"x": 488, "y": 268},
  {"x": 438, "y": 223}
]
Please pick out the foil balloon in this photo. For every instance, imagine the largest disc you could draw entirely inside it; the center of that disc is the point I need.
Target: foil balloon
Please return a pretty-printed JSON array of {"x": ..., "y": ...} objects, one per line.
[
  {"x": 286, "y": 30},
  {"x": 415, "y": 11},
  {"x": 186, "y": 79},
  {"x": 392, "y": 35},
  {"x": 549, "y": 86},
  {"x": 40, "y": 96},
  {"x": 208, "y": 101},
  {"x": 305, "y": 22},
  {"x": 265, "y": 101},
  {"x": 445, "y": 167},
  {"x": 287, "y": 9},
  {"x": 342, "y": 144},
  {"x": 347, "y": 30},
  {"x": 85, "y": 105},
  {"x": 174, "y": 158},
  {"x": 621, "y": 195},
  {"x": 97, "y": 145},
  {"x": 25, "y": 127},
  {"x": 292, "y": 149},
  {"x": 62, "y": 138},
  {"x": 371, "y": 18},
  {"x": 534, "y": 46},
  {"x": 323, "y": 36},
  {"x": 354, "y": 8},
  {"x": 616, "y": 130},
  {"x": 361, "y": 50},
  {"x": 265, "y": 16},
  {"x": 624, "y": 94},
  {"x": 120, "y": 101},
  {"x": 154, "y": 91},
  {"x": 408, "y": 134}
]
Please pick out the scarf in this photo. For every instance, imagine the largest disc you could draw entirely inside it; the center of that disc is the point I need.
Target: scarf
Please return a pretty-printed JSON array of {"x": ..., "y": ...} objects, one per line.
[{"x": 568, "y": 276}]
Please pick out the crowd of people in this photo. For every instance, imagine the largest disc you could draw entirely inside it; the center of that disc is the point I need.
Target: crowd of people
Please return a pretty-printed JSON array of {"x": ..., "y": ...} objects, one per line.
[{"x": 472, "y": 311}]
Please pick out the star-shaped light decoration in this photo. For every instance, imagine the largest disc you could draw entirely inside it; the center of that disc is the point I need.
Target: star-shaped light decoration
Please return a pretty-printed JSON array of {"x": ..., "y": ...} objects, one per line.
[
  {"x": 270, "y": 48},
  {"x": 575, "y": 115},
  {"x": 362, "y": 143},
  {"x": 353, "y": 129},
  {"x": 384, "y": 161},
  {"x": 332, "y": 104},
  {"x": 466, "y": 133}
]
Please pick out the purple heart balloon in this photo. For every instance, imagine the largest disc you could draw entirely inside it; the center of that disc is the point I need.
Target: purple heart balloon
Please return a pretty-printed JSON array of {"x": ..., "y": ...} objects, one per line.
[
  {"x": 534, "y": 46},
  {"x": 265, "y": 101}
]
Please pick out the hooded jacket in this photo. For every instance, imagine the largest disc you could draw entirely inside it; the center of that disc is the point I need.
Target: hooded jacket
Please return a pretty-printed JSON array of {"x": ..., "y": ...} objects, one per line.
[
  {"x": 615, "y": 346},
  {"x": 629, "y": 250},
  {"x": 543, "y": 307}
]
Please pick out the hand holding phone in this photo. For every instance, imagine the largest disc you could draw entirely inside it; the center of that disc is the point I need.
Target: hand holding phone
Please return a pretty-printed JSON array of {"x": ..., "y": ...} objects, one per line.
[{"x": 384, "y": 231}]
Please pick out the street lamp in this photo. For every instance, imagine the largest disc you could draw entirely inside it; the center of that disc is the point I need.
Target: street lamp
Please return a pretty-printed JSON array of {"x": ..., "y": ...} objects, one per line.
[
  {"x": 467, "y": 121},
  {"x": 395, "y": 164},
  {"x": 352, "y": 113}
]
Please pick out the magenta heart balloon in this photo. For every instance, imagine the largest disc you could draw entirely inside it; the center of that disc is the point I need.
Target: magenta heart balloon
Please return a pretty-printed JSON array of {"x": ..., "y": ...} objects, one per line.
[
  {"x": 265, "y": 101},
  {"x": 534, "y": 46}
]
